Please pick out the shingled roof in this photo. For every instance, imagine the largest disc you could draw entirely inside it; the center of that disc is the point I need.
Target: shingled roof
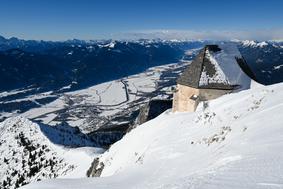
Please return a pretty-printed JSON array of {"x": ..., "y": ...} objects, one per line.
[{"x": 215, "y": 67}]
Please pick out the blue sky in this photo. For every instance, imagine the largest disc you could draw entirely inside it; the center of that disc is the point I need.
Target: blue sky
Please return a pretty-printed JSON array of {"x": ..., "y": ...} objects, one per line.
[{"x": 93, "y": 19}]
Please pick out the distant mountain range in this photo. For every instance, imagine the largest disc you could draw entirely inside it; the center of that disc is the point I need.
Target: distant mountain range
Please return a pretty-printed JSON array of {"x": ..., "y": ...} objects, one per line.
[
  {"x": 265, "y": 59},
  {"x": 52, "y": 65}
]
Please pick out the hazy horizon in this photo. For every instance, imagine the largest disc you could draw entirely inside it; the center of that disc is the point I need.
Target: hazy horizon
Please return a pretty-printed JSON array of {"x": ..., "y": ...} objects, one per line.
[
  {"x": 259, "y": 35},
  {"x": 184, "y": 19}
]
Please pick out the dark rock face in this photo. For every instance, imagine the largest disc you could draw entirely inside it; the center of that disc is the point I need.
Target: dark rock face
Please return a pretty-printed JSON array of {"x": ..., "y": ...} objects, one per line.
[
  {"x": 151, "y": 110},
  {"x": 95, "y": 168}
]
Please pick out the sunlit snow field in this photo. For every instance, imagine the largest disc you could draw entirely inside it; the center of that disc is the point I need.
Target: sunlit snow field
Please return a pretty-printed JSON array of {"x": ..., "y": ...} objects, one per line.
[{"x": 235, "y": 142}]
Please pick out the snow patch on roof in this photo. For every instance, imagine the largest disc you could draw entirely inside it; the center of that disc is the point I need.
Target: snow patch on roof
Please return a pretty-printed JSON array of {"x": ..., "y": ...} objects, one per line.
[
  {"x": 218, "y": 77},
  {"x": 227, "y": 68}
]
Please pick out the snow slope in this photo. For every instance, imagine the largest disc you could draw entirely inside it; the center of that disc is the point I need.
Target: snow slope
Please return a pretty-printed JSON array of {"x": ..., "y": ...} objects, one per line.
[
  {"x": 234, "y": 141},
  {"x": 254, "y": 43},
  {"x": 28, "y": 152}
]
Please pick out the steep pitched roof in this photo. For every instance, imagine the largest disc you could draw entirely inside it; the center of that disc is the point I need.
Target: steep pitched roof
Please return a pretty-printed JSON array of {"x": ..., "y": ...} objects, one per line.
[
  {"x": 215, "y": 67},
  {"x": 190, "y": 76}
]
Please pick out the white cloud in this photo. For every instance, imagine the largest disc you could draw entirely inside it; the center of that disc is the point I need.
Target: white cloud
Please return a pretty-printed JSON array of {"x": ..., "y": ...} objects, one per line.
[{"x": 263, "y": 34}]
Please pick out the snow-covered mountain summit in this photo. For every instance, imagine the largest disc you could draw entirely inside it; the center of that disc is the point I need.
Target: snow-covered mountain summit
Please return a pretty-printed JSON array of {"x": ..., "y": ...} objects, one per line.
[
  {"x": 254, "y": 43},
  {"x": 234, "y": 141}
]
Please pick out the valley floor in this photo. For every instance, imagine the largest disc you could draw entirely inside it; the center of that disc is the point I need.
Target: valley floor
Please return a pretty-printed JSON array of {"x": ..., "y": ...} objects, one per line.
[{"x": 103, "y": 105}]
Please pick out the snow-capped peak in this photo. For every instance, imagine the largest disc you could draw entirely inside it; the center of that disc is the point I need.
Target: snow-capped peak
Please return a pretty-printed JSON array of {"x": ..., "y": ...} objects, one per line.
[
  {"x": 248, "y": 43},
  {"x": 254, "y": 43},
  {"x": 109, "y": 45},
  {"x": 262, "y": 44}
]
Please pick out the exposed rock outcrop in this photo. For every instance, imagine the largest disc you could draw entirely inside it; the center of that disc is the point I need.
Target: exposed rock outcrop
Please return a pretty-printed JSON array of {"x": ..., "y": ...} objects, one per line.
[
  {"x": 95, "y": 168},
  {"x": 147, "y": 112},
  {"x": 151, "y": 110}
]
